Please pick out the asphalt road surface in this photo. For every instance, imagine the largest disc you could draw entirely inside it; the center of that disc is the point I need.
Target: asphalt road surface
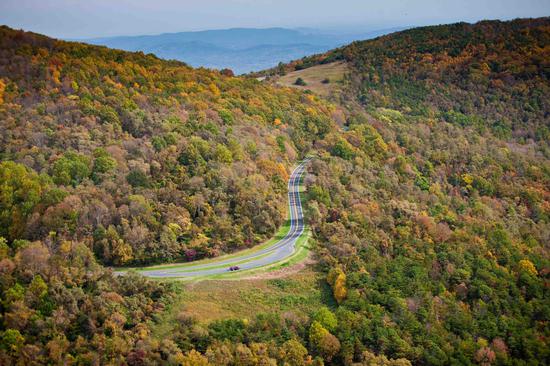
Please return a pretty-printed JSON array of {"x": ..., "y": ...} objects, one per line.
[{"x": 276, "y": 252}]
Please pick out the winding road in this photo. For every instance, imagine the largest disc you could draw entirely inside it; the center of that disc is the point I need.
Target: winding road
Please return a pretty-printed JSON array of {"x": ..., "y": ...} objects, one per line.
[{"x": 283, "y": 248}]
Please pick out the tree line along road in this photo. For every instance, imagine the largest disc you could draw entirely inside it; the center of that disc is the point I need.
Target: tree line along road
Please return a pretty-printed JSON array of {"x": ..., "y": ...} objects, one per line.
[{"x": 250, "y": 259}]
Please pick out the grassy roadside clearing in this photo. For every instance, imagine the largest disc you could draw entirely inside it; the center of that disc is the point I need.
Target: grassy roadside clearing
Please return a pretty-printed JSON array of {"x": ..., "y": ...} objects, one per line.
[
  {"x": 301, "y": 253},
  {"x": 245, "y": 294},
  {"x": 207, "y": 301}
]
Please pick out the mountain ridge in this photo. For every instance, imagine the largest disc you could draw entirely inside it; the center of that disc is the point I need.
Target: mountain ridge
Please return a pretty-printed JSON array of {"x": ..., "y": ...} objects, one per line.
[{"x": 234, "y": 46}]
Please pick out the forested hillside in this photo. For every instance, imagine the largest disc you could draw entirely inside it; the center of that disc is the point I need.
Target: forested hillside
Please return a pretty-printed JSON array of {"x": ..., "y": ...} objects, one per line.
[
  {"x": 142, "y": 160},
  {"x": 122, "y": 158},
  {"x": 434, "y": 205},
  {"x": 429, "y": 201},
  {"x": 488, "y": 76}
]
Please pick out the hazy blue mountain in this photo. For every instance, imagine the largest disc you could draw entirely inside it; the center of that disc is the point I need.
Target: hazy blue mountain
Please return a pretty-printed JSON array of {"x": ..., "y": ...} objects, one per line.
[{"x": 240, "y": 49}]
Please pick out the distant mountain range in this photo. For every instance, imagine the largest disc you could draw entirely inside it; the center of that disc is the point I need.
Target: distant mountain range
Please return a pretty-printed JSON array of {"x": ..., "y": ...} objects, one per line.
[{"x": 240, "y": 49}]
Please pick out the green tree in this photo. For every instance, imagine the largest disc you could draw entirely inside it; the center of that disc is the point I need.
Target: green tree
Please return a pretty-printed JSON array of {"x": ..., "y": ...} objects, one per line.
[
  {"x": 323, "y": 342},
  {"x": 37, "y": 288},
  {"x": 343, "y": 149},
  {"x": 103, "y": 163},
  {"x": 138, "y": 178},
  {"x": 226, "y": 116},
  {"x": 223, "y": 154},
  {"x": 12, "y": 341},
  {"x": 71, "y": 169},
  {"x": 326, "y": 318},
  {"x": 21, "y": 190}
]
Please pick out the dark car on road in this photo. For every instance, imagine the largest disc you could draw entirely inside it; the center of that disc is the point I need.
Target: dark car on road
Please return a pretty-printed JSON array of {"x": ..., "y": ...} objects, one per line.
[{"x": 234, "y": 268}]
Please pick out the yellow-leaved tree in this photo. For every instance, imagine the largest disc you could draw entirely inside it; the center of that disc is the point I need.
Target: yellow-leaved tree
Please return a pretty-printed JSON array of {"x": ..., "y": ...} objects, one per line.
[
  {"x": 2, "y": 89},
  {"x": 337, "y": 280},
  {"x": 526, "y": 265}
]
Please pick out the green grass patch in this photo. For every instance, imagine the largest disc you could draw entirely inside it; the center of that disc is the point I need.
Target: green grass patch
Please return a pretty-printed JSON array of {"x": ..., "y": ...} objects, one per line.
[
  {"x": 211, "y": 300},
  {"x": 301, "y": 253}
]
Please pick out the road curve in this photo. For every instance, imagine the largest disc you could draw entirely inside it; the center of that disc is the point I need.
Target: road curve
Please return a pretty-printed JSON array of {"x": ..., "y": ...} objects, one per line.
[{"x": 275, "y": 252}]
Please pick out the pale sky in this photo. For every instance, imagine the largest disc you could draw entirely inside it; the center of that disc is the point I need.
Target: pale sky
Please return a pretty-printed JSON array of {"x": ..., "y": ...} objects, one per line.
[{"x": 95, "y": 18}]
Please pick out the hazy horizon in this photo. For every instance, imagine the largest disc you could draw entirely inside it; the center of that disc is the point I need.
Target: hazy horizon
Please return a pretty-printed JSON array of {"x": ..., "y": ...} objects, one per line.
[
  {"x": 304, "y": 30},
  {"x": 103, "y": 18}
]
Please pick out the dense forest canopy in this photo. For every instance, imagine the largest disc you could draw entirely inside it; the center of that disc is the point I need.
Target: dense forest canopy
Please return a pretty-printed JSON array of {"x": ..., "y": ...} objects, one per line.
[
  {"x": 490, "y": 75},
  {"x": 124, "y": 158},
  {"x": 429, "y": 201},
  {"x": 141, "y": 159},
  {"x": 434, "y": 204}
]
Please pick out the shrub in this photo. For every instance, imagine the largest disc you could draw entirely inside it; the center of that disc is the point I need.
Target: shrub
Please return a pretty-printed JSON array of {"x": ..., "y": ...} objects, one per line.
[{"x": 300, "y": 82}]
